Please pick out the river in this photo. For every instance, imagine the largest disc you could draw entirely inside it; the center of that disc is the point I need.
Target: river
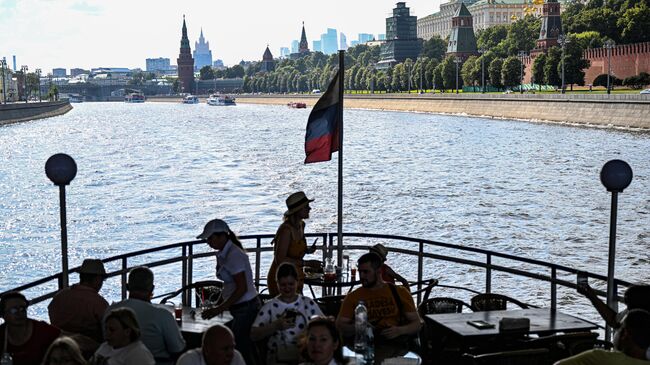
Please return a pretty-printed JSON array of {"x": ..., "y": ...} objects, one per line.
[{"x": 151, "y": 174}]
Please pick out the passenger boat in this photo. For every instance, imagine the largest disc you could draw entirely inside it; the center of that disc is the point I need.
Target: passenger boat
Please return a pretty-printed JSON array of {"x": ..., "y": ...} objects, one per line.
[
  {"x": 221, "y": 100},
  {"x": 191, "y": 99},
  {"x": 75, "y": 98},
  {"x": 134, "y": 98},
  {"x": 297, "y": 105}
]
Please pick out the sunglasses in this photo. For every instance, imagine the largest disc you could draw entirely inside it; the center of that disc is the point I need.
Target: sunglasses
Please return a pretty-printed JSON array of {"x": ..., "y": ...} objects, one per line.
[{"x": 15, "y": 310}]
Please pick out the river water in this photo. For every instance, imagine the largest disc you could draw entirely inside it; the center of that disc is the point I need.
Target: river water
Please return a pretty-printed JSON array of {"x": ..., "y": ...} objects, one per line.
[{"x": 154, "y": 173}]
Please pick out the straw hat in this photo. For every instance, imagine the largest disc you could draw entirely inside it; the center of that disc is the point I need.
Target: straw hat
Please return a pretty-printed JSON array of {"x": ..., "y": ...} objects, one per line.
[
  {"x": 92, "y": 267},
  {"x": 295, "y": 202},
  {"x": 380, "y": 250}
]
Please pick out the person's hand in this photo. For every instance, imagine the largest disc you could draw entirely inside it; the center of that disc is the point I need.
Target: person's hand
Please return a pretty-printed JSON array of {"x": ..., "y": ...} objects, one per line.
[
  {"x": 284, "y": 323},
  {"x": 211, "y": 312},
  {"x": 391, "y": 332}
]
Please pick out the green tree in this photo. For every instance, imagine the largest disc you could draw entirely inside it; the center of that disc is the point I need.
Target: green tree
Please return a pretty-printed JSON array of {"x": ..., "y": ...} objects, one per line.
[
  {"x": 574, "y": 64},
  {"x": 438, "y": 80},
  {"x": 511, "y": 72},
  {"x": 470, "y": 72},
  {"x": 398, "y": 77},
  {"x": 490, "y": 37},
  {"x": 522, "y": 35},
  {"x": 551, "y": 74},
  {"x": 634, "y": 24},
  {"x": 589, "y": 39},
  {"x": 538, "y": 69},
  {"x": 434, "y": 48},
  {"x": 495, "y": 72},
  {"x": 206, "y": 73},
  {"x": 449, "y": 73}
]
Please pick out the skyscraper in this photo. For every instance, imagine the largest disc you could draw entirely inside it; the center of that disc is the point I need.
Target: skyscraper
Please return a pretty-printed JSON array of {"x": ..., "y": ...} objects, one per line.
[
  {"x": 317, "y": 46},
  {"x": 343, "y": 42},
  {"x": 185, "y": 63},
  {"x": 294, "y": 46},
  {"x": 284, "y": 52},
  {"x": 401, "y": 38},
  {"x": 365, "y": 37},
  {"x": 202, "y": 53},
  {"x": 329, "y": 41}
]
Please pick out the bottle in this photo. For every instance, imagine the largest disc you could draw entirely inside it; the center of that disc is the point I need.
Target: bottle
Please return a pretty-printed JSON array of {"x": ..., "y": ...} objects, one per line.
[
  {"x": 369, "y": 354},
  {"x": 330, "y": 274},
  {"x": 360, "y": 325},
  {"x": 6, "y": 359}
]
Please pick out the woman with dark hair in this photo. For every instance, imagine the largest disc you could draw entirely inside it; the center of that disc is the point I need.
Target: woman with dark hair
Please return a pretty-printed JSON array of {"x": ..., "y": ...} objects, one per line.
[
  {"x": 123, "y": 345},
  {"x": 64, "y": 351},
  {"x": 290, "y": 244},
  {"x": 323, "y": 343},
  {"x": 283, "y": 319},
  {"x": 239, "y": 293},
  {"x": 26, "y": 340}
]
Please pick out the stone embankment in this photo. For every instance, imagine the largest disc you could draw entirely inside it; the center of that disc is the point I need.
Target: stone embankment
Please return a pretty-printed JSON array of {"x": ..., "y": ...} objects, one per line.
[
  {"x": 626, "y": 111},
  {"x": 22, "y": 112}
]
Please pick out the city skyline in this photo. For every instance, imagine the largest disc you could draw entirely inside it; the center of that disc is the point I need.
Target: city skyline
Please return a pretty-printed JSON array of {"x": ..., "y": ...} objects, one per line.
[{"x": 93, "y": 33}]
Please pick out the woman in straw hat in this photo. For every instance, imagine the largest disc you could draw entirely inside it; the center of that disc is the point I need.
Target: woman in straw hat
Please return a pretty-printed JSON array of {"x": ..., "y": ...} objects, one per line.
[
  {"x": 387, "y": 273},
  {"x": 290, "y": 241}
]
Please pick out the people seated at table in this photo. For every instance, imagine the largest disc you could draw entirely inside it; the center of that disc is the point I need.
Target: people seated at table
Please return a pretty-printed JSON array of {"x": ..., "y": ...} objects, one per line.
[
  {"x": 283, "y": 319},
  {"x": 323, "y": 343},
  {"x": 631, "y": 344},
  {"x": 158, "y": 329},
  {"x": 239, "y": 293},
  {"x": 64, "y": 351},
  {"x": 79, "y": 308},
  {"x": 123, "y": 345},
  {"x": 218, "y": 348},
  {"x": 25, "y": 339},
  {"x": 290, "y": 244},
  {"x": 391, "y": 310},
  {"x": 387, "y": 273}
]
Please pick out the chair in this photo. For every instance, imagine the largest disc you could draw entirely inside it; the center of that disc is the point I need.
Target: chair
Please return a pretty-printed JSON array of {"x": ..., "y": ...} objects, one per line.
[
  {"x": 492, "y": 302},
  {"x": 442, "y": 305},
  {"x": 205, "y": 291},
  {"x": 330, "y": 305},
  {"x": 517, "y": 357},
  {"x": 561, "y": 346}
]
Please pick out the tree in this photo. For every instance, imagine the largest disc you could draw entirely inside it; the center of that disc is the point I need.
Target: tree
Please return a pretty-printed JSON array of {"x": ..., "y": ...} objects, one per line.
[
  {"x": 601, "y": 80},
  {"x": 470, "y": 72},
  {"x": 551, "y": 74},
  {"x": 589, "y": 39},
  {"x": 438, "y": 80},
  {"x": 434, "y": 48},
  {"x": 511, "y": 72},
  {"x": 495, "y": 72},
  {"x": 398, "y": 76},
  {"x": 449, "y": 73},
  {"x": 538, "y": 69},
  {"x": 206, "y": 73},
  {"x": 634, "y": 24},
  {"x": 574, "y": 64},
  {"x": 522, "y": 35},
  {"x": 490, "y": 37}
]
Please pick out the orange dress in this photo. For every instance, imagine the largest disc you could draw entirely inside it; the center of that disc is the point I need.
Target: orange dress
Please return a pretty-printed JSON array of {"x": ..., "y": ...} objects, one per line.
[{"x": 296, "y": 251}]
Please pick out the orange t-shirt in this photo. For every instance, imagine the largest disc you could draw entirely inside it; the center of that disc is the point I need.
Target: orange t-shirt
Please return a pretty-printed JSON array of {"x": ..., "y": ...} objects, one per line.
[{"x": 382, "y": 308}]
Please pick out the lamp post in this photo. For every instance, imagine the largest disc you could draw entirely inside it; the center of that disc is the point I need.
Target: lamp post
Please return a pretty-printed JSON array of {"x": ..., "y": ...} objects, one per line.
[
  {"x": 38, "y": 74},
  {"x": 609, "y": 44},
  {"x": 3, "y": 65},
  {"x": 457, "y": 60},
  {"x": 23, "y": 70},
  {"x": 61, "y": 169},
  {"x": 615, "y": 175},
  {"x": 563, "y": 41},
  {"x": 482, "y": 52},
  {"x": 522, "y": 54}
]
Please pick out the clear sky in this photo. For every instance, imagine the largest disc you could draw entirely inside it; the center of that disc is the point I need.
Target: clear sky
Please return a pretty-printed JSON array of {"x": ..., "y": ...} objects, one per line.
[{"x": 123, "y": 33}]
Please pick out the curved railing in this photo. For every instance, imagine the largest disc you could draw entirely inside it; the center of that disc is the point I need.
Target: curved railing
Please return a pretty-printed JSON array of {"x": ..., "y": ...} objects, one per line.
[{"x": 426, "y": 249}]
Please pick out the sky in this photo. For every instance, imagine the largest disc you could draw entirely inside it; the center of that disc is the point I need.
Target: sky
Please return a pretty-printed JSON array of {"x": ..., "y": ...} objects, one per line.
[{"x": 122, "y": 33}]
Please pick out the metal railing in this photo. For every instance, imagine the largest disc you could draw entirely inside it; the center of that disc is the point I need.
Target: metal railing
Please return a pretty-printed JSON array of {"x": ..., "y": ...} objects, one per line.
[{"x": 426, "y": 249}]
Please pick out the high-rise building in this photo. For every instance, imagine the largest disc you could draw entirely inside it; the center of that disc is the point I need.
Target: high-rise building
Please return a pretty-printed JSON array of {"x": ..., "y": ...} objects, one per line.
[
  {"x": 58, "y": 72},
  {"x": 354, "y": 43},
  {"x": 294, "y": 46},
  {"x": 185, "y": 63},
  {"x": 202, "y": 53},
  {"x": 317, "y": 46},
  {"x": 74, "y": 72},
  {"x": 365, "y": 37},
  {"x": 343, "y": 42},
  {"x": 401, "y": 38},
  {"x": 381, "y": 37},
  {"x": 157, "y": 64},
  {"x": 14, "y": 57},
  {"x": 329, "y": 41},
  {"x": 284, "y": 52},
  {"x": 218, "y": 64}
]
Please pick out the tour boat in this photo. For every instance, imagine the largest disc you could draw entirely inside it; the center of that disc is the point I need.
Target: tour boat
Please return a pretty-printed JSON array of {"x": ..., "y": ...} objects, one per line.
[
  {"x": 75, "y": 98},
  {"x": 191, "y": 99},
  {"x": 221, "y": 100},
  {"x": 134, "y": 98},
  {"x": 297, "y": 105}
]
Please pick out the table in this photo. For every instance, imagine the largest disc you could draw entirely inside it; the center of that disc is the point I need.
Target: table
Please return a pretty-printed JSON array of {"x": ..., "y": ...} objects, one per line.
[
  {"x": 330, "y": 287},
  {"x": 192, "y": 325}
]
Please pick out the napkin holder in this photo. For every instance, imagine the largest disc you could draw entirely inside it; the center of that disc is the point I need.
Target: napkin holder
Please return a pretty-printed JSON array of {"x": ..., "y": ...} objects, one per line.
[{"x": 510, "y": 324}]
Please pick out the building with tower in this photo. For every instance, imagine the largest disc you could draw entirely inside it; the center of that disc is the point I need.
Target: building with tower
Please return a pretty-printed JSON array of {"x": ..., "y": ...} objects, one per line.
[
  {"x": 268, "y": 64},
  {"x": 401, "y": 38},
  {"x": 202, "y": 53},
  {"x": 185, "y": 63},
  {"x": 462, "y": 42},
  {"x": 551, "y": 27},
  {"x": 303, "y": 46}
]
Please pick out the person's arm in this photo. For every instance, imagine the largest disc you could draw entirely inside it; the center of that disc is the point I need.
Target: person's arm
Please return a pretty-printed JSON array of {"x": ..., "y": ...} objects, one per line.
[
  {"x": 389, "y": 270},
  {"x": 240, "y": 289},
  {"x": 607, "y": 313},
  {"x": 412, "y": 327},
  {"x": 262, "y": 332}
]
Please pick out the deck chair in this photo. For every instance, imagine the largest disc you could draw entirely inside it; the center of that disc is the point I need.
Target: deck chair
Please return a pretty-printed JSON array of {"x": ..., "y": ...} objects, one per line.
[
  {"x": 517, "y": 357},
  {"x": 207, "y": 290},
  {"x": 493, "y": 302},
  {"x": 442, "y": 305}
]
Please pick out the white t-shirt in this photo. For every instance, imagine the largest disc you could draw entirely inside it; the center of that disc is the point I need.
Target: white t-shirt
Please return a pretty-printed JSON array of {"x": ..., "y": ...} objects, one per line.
[
  {"x": 231, "y": 260},
  {"x": 195, "y": 357},
  {"x": 158, "y": 328},
  {"x": 135, "y": 353},
  {"x": 275, "y": 308}
]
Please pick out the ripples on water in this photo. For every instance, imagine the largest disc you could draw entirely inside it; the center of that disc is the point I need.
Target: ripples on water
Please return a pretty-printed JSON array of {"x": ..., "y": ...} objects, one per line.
[{"x": 151, "y": 174}]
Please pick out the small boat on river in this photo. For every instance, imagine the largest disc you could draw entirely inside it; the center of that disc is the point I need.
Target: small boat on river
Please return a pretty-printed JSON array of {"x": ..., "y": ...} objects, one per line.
[
  {"x": 221, "y": 100},
  {"x": 191, "y": 99},
  {"x": 297, "y": 105},
  {"x": 134, "y": 98}
]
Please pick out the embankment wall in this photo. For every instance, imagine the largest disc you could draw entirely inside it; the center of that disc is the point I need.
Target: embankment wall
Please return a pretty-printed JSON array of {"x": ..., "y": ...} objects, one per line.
[{"x": 22, "y": 112}]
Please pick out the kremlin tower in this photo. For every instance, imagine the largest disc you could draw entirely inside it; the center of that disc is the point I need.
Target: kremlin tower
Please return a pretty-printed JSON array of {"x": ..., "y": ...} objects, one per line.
[{"x": 185, "y": 63}]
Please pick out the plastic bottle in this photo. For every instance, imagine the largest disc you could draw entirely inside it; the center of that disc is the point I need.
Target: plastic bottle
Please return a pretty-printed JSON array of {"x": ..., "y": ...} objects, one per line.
[
  {"x": 6, "y": 359},
  {"x": 369, "y": 354},
  {"x": 360, "y": 328}
]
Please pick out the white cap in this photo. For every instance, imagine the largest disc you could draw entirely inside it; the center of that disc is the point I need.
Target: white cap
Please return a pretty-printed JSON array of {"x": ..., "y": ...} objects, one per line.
[{"x": 214, "y": 226}]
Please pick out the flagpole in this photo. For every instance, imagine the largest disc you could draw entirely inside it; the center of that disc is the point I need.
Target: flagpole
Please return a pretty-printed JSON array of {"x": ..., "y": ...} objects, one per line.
[{"x": 340, "y": 182}]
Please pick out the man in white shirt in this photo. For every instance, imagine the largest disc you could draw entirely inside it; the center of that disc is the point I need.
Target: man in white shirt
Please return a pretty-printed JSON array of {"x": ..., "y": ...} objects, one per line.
[
  {"x": 159, "y": 331},
  {"x": 218, "y": 348}
]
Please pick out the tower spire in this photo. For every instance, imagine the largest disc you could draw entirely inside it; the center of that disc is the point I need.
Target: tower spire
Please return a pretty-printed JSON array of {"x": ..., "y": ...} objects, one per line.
[{"x": 304, "y": 46}]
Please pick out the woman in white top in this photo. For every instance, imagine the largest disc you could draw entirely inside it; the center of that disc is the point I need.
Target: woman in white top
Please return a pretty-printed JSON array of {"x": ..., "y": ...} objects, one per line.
[
  {"x": 284, "y": 318},
  {"x": 123, "y": 345},
  {"x": 239, "y": 293},
  {"x": 323, "y": 342}
]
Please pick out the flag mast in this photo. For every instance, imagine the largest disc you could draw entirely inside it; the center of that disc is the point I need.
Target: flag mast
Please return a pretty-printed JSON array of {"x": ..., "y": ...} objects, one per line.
[{"x": 341, "y": 75}]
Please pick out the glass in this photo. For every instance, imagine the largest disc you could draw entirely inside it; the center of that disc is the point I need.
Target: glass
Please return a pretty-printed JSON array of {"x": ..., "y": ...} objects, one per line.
[
  {"x": 353, "y": 273},
  {"x": 178, "y": 312}
]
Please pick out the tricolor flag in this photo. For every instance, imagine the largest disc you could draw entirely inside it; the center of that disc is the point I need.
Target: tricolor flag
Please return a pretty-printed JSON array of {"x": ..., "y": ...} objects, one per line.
[{"x": 324, "y": 124}]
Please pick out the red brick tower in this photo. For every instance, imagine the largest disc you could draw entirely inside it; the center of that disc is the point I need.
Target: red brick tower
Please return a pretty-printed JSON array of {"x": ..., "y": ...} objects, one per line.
[{"x": 185, "y": 63}]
